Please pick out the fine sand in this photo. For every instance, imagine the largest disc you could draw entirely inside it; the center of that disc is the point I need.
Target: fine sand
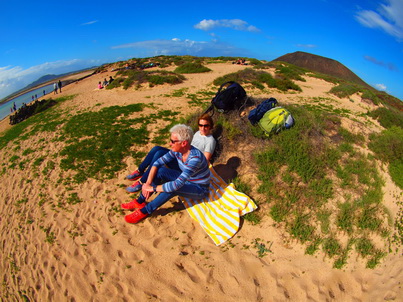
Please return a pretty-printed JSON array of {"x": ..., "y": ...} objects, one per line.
[{"x": 88, "y": 253}]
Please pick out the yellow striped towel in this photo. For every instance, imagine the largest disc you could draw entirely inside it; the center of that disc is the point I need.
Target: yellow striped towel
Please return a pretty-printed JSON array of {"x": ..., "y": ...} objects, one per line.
[{"x": 219, "y": 214}]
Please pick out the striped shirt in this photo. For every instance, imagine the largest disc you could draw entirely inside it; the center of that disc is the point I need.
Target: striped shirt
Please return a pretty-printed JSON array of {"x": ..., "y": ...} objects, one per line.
[{"x": 194, "y": 171}]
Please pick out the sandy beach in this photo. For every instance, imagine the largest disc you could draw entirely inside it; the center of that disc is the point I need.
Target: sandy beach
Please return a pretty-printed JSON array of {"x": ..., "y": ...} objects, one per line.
[
  {"x": 87, "y": 252},
  {"x": 68, "y": 79}
]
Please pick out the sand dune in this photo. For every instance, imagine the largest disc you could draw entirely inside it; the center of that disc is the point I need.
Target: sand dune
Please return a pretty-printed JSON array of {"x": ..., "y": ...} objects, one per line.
[{"x": 54, "y": 251}]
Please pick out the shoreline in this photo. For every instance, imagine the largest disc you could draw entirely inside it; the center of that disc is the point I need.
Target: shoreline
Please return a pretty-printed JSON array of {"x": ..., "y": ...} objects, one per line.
[
  {"x": 13, "y": 96},
  {"x": 70, "y": 79}
]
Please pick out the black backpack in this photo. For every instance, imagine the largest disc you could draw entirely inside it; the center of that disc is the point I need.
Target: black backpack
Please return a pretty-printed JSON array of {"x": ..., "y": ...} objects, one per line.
[{"x": 230, "y": 96}]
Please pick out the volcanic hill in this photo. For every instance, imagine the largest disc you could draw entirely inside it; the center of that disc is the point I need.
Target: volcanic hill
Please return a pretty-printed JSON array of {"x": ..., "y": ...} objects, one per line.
[{"x": 322, "y": 65}]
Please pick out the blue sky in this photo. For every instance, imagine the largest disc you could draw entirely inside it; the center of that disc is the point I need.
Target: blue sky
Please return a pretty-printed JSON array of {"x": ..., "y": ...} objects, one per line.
[{"x": 54, "y": 37}]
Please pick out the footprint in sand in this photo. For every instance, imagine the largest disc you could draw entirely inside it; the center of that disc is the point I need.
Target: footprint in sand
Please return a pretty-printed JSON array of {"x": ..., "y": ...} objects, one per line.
[
  {"x": 93, "y": 238},
  {"x": 194, "y": 273}
]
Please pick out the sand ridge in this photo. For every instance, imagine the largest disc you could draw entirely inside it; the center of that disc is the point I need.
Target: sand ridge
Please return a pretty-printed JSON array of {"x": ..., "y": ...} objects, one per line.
[{"x": 86, "y": 252}]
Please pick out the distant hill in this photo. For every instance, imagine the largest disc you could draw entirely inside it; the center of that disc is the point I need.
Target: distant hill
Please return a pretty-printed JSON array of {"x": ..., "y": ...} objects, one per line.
[
  {"x": 43, "y": 79},
  {"x": 50, "y": 77},
  {"x": 322, "y": 65}
]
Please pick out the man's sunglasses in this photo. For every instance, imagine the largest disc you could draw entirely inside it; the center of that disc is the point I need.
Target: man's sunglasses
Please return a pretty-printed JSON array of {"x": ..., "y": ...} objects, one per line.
[{"x": 205, "y": 125}]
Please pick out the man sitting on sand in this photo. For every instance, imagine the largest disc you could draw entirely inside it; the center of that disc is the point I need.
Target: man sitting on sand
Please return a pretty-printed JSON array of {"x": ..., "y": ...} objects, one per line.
[
  {"x": 202, "y": 140},
  {"x": 192, "y": 180}
]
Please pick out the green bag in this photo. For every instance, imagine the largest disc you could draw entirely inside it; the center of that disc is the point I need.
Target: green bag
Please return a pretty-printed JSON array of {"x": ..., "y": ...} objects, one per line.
[{"x": 275, "y": 120}]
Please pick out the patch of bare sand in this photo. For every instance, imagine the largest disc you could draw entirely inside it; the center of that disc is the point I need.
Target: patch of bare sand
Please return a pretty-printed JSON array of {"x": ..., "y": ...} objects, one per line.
[{"x": 82, "y": 252}]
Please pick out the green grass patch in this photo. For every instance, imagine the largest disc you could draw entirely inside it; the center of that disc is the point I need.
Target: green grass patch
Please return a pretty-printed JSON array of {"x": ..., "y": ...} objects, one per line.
[
  {"x": 256, "y": 78},
  {"x": 371, "y": 95},
  {"x": 388, "y": 146},
  {"x": 367, "y": 249},
  {"x": 47, "y": 120},
  {"x": 301, "y": 228},
  {"x": 346, "y": 217},
  {"x": 38, "y": 161},
  {"x": 199, "y": 99},
  {"x": 344, "y": 90},
  {"x": 252, "y": 217},
  {"x": 178, "y": 93},
  {"x": 291, "y": 71},
  {"x": 98, "y": 141},
  {"x": 331, "y": 247},
  {"x": 191, "y": 68},
  {"x": 22, "y": 201},
  {"x": 241, "y": 186},
  {"x": 129, "y": 78},
  {"x": 231, "y": 130},
  {"x": 28, "y": 151},
  {"x": 299, "y": 173},
  {"x": 387, "y": 117},
  {"x": 50, "y": 166},
  {"x": 73, "y": 199}
]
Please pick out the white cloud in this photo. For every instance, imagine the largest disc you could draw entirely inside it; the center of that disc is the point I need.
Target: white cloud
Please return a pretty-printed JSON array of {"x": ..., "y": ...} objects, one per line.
[
  {"x": 89, "y": 23},
  {"x": 381, "y": 87},
  {"x": 185, "y": 47},
  {"x": 388, "y": 17},
  {"x": 13, "y": 78},
  {"x": 235, "y": 24},
  {"x": 306, "y": 45},
  {"x": 393, "y": 11}
]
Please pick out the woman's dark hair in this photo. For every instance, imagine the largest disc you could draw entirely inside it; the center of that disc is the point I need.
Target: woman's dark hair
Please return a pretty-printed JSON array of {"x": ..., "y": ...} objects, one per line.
[{"x": 207, "y": 117}]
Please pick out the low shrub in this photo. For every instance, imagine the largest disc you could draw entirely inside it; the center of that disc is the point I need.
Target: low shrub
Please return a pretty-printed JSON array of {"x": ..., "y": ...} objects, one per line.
[
  {"x": 191, "y": 68},
  {"x": 387, "y": 117},
  {"x": 256, "y": 78},
  {"x": 291, "y": 72},
  {"x": 370, "y": 95},
  {"x": 131, "y": 78},
  {"x": 344, "y": 90},
  {"x": 388, "y": 146},
  {"x": 300, "y": 172}
]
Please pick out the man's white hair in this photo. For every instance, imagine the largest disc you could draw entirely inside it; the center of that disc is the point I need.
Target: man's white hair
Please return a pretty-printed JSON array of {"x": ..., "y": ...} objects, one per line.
[{"x": 183, "y": 132}]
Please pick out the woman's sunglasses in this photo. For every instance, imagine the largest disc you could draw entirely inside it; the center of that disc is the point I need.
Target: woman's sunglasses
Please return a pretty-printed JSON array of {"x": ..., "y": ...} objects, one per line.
[{"x": 205, "y": 125}]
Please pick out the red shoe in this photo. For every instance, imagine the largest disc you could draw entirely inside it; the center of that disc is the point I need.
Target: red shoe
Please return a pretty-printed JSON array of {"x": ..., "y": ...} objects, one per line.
[
  {"x": 134, "y": 187},
  {"x": 135, "y": 217},
  {"x": 135, "y": 175},
  {"x": 134, "y": 204}
]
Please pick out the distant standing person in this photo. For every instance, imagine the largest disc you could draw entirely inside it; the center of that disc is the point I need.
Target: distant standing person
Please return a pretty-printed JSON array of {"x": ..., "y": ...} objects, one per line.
[
  {"x": 54, "y": 88},
  {"x": 59, "y": 84},
  {"x": 44, "y": 92}
]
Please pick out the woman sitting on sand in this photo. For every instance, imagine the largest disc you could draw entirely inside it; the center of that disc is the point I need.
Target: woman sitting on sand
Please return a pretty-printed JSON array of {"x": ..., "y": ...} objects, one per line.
[{"x": 202, "y": 140}]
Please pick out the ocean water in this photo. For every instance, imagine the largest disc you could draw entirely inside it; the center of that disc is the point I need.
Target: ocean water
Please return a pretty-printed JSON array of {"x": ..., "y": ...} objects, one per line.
[{"x": 24, "y": 98}]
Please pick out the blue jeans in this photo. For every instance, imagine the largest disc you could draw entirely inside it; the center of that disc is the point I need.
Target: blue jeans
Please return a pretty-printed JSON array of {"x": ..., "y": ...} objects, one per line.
[
  {"x": 189, "y": 190},
  {"x": 154, "y": 154}
]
